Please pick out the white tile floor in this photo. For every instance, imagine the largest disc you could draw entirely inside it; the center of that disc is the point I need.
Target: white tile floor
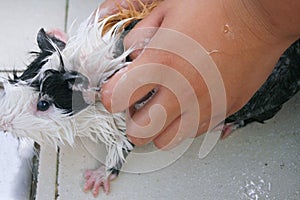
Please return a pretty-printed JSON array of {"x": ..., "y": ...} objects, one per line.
[
  {"x": 20, "y": 21},
  {"x": 262, "y": 160}
]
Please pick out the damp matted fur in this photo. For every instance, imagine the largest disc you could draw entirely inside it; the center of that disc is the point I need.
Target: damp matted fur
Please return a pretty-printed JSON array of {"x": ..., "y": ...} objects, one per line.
[{"x": 46, "y": 103}]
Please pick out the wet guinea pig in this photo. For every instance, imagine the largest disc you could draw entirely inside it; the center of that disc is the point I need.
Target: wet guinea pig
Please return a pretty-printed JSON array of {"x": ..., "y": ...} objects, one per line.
[{"x": 47, "y": 102}]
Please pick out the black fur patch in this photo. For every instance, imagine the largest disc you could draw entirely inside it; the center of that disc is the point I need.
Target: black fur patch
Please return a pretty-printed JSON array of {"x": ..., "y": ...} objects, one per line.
[
  {"x": 56, "y": 85},
  {"x": 59, "y": 89}
]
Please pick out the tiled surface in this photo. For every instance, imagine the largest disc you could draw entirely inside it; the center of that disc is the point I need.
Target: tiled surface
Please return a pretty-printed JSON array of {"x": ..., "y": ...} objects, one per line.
[
  {"x": 20, "y": 21},
  {"x": 262, "y": 160},
  {"x": 14, "y": 171},
  {"x": 79, "y": 11},
  {"x": 46, "y": 187}
]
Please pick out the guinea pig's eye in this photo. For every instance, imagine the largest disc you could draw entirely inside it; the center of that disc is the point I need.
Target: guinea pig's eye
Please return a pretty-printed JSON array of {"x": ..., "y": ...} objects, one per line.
[{"x": 43, "y": 105}]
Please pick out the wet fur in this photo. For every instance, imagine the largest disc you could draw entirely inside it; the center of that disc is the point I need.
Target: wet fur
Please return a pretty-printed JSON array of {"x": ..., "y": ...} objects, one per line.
[{"x": 59, "y": 75}]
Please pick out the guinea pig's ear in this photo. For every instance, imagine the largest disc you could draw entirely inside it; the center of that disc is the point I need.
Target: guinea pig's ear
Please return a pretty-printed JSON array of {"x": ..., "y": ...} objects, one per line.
[{"x": 47, "y": 42}]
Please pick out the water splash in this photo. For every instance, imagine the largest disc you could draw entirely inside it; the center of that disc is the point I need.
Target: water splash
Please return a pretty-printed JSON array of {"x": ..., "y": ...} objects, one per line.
[{"x": 255, "y": 188}]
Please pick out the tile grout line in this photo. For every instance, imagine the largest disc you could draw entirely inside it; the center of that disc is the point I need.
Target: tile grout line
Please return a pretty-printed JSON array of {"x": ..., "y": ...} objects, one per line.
[
  {"x": 56, "y": 197},
  {"x": 66, "y": 15}
]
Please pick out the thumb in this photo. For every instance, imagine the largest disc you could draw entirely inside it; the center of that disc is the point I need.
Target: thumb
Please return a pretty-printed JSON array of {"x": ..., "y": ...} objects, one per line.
[{"x": 141, "y": 34}]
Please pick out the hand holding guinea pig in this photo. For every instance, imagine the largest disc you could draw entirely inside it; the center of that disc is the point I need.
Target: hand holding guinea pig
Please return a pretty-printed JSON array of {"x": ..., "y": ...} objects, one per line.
[{"x": 237, "y": 42}]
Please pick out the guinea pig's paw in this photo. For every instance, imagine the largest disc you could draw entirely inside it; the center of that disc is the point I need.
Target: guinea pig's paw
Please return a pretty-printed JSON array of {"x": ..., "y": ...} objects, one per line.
[{"x": 94, "y": 179}]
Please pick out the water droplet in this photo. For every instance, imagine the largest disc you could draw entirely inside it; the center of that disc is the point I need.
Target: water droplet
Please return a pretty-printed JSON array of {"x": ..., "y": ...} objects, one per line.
[
  {"x": 147, "y": 40},
  {"x": 226, "y": 28},
  {"x": 256, "y": 189}
]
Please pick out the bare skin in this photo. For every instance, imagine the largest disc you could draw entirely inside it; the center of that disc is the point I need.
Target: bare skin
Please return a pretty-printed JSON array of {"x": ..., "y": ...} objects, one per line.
[{"x": 245, "y": 39}]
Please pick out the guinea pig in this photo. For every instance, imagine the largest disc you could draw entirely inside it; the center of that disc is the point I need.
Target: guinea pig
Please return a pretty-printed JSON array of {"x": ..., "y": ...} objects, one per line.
[{"x": 47, "y": 103}]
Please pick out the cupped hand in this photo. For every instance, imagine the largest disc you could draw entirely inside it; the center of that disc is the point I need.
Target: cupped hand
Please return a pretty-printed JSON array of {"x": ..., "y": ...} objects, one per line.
[{"x": 205, "y": 59}]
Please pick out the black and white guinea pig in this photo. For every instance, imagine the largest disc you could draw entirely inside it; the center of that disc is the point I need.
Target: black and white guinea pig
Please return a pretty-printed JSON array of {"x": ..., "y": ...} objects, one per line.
[{"x": 46, "y": 102}]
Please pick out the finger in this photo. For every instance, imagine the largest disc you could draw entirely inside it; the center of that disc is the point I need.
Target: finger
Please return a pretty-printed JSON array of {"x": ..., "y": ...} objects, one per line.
[
  {"x": 153, "y": 20},
  {"x": 132, "y": 83},
  {"x": 183, "y": 127},
  {"x": 128, "y": 91},
  {"x": 154, "y": 117},
  {"x": 170, "y": 137},
  {"x": 141, "y": 34},
  {"x": 153, "y": 68}
]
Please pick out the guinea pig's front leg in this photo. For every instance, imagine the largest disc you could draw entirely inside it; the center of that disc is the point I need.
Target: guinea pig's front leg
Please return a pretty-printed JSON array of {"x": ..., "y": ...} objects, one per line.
[{"x": 102, "y": 176}]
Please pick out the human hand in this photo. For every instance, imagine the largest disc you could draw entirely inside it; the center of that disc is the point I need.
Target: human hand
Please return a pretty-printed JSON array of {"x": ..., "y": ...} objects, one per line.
[{"x": 237, "y": 42}]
